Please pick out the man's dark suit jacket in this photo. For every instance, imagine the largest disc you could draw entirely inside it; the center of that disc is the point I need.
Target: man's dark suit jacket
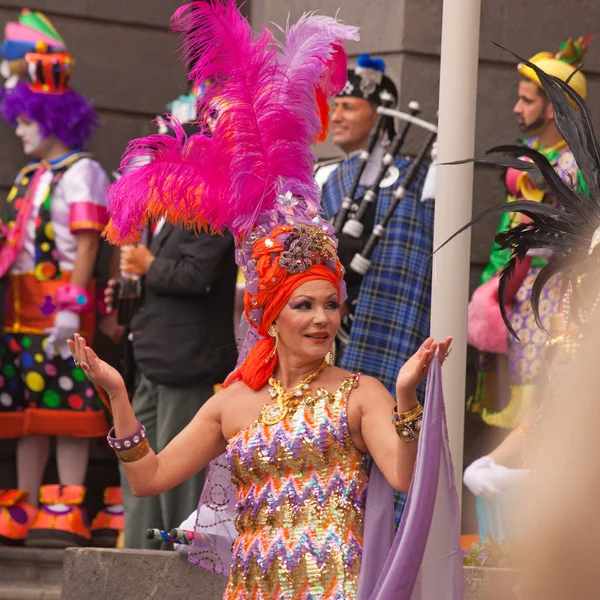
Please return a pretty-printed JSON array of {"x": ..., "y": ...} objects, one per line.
[{"x": 183, "y": 331}]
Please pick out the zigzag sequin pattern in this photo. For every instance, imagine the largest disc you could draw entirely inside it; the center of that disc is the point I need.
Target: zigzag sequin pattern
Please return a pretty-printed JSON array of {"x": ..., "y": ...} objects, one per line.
[{"x": 301, "y": 487}]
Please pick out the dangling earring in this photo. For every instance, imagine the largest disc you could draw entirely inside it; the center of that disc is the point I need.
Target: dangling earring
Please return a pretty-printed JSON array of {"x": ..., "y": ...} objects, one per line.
[
  {"x": 330, "y": 358},
  {"x": 273, "y": 333}
]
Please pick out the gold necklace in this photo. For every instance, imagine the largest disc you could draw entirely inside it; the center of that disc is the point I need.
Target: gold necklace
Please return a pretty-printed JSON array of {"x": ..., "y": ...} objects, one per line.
[{"x": 287, "y": 402}]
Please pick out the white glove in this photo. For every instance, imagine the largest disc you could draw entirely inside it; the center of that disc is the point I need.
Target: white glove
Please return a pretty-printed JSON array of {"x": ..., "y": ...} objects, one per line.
[
  {"x": 477, "y": 477},
  {"x": 188, "y": 525},
  {"x": 66, "y": 325},
  {"x": 503, "y": 478},
  {"x": 487, "y": 479}
]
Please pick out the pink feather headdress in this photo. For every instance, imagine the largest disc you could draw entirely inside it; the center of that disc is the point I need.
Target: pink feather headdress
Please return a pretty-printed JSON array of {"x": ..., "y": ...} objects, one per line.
[
  {"x": 250, "y": 168},
  {"x": 270, "y": 102}
]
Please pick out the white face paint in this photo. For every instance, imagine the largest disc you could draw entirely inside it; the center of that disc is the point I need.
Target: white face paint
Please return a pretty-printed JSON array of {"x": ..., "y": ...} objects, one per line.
[{"x": 30, "y": 134}]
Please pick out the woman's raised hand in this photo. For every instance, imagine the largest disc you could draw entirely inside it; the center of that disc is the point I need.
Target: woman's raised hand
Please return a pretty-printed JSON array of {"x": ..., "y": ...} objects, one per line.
[
  {"x": 414, "y": 370},
  {"x": 96, "y": 370}
]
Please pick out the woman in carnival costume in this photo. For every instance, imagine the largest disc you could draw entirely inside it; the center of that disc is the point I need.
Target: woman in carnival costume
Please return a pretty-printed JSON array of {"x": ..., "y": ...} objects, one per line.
[
  {"x": 571, "y": 234},
  {"x": 293, "y": 429},
  {"x": 52, "y": 222}
]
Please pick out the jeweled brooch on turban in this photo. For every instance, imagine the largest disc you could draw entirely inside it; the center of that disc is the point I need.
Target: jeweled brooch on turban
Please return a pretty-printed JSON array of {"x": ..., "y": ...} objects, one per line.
[{"x": 301, "y": 246}]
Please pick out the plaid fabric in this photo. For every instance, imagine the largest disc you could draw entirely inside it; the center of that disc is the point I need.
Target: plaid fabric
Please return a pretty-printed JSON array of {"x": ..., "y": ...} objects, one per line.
[{"x": 392, "y": 314}]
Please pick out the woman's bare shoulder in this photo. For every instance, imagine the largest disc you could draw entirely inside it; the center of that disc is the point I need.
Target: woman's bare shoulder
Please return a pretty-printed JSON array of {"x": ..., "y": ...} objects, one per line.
[
  {"x": 366, "y": 385},
  {"x": 235, "y": 390},
  {"x": 370, "y": 391}
]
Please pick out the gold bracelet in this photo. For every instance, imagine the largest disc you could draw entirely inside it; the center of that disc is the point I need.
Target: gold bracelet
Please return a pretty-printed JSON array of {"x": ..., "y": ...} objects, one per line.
[
  {"x": 411, "y": 414},
  {"x": 135, "y": 453},
  {"x": 408, "y": 425}
]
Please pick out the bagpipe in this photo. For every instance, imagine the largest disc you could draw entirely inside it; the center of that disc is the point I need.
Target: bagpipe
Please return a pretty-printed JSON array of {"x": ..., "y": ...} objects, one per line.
[
  {"x": 357, "y": 232},
  {"x": 363, "y": 159},
  {"x": 175, "y": 536}
]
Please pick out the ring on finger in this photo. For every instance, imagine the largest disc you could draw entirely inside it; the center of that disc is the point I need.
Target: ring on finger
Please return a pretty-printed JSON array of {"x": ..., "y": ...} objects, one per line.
[
  {"x": 448, "y": 352},
  {"x": 85, "y": 366},
  {"x": 77, "y": 364}
]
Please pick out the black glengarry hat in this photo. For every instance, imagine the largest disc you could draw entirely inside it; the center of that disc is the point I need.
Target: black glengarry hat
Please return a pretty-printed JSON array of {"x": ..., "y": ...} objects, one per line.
[{"x": 367, "y": 80}]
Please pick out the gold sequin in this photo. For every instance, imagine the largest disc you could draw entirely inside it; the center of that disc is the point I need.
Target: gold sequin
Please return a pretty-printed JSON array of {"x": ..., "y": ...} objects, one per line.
[{"x": 301, "y": 485}]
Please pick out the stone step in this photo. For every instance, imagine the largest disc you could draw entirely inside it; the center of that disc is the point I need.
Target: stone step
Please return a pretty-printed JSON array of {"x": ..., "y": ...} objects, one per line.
[
  {"x": 108, "y": 574},
  {"x": 26, "y": 591},
  {"x": 32, "y": 566},
  {"x": 30, "y": 573}
]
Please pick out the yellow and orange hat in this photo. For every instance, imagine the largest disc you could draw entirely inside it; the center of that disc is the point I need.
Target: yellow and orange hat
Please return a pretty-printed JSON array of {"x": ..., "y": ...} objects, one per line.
[{"x": 561, "y": 65}]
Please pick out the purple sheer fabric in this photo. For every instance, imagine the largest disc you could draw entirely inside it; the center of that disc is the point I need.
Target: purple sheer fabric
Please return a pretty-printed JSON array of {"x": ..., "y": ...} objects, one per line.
[
  {"x": 423, "y": 560},
  {"x": 215, "y": 531}
]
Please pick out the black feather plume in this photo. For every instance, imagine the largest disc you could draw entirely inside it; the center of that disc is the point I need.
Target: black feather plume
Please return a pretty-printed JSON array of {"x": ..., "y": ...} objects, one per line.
[{"x": 505, "y": 276}]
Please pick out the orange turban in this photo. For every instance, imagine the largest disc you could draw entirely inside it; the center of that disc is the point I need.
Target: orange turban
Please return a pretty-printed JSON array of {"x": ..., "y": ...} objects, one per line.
[{"x": 275, "y": 287}]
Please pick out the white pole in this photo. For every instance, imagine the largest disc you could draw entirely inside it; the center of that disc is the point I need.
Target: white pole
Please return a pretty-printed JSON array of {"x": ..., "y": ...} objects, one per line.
[{"x": 453, "y": 204}]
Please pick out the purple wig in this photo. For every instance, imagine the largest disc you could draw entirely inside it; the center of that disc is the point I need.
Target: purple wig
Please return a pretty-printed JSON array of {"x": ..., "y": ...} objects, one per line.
[{"x": 68, "y": 117}]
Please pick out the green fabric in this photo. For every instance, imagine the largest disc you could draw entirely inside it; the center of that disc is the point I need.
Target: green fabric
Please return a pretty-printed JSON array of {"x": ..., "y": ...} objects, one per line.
[
  {"x": 498, "y": 257},
  {"x": 38, "y": 21},
  {"x": 583, "y": 188}
]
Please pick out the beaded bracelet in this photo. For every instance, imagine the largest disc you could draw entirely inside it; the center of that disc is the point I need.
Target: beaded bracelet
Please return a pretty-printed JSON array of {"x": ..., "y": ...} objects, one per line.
[
  {"x": 130, "y": 447},
  {"x": 408, "y": 424}
]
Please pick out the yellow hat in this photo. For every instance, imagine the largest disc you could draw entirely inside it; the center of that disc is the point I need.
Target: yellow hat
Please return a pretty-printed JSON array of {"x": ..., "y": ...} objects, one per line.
[{"x": 561, "y": 65}]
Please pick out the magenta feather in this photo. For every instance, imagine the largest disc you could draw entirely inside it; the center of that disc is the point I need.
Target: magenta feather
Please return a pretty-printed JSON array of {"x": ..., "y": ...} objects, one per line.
[
  {"x": 313, "y": 53},
  {"x": 259, "y": 145}
]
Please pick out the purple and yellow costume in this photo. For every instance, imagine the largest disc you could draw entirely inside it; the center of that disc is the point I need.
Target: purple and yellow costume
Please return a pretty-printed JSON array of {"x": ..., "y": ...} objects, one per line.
[
  {"x": 506, "y": 385},
  {"x": 301, "y": 487}
]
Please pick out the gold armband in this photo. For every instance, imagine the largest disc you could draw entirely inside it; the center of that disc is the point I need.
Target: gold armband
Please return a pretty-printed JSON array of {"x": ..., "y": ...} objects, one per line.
[
  {"x": 408, "y": 424},
  {"x": 135, "y": 453}
]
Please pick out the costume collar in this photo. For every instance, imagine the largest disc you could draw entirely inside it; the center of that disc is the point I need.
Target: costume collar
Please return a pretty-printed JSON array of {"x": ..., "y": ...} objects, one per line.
[
  {"x": 551, "y": 153},
  {"x": 57, "y": 163}
]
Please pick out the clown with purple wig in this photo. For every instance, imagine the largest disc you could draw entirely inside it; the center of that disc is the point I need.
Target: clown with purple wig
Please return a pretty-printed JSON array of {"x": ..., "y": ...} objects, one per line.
[{"x": 51, "y": 228}]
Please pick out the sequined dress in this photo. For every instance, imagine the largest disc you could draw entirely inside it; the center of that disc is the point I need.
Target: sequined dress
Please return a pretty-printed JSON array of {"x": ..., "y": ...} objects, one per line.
[{"x": 301, "y": 487}]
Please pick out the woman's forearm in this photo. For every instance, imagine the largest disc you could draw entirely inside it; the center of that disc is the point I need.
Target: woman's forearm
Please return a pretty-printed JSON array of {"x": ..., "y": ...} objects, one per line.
[
  {"x": 407, "y": 455},
  {"x": 141, "y": 473},
  {"x": 123, "y": 415},
  {"x": 510, "y": 452},
  {"x": 406, "y": 400},
  {"x": 407, "y": 451}
]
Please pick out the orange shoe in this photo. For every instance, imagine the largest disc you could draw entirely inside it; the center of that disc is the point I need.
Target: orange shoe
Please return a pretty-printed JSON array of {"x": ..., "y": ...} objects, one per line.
[
  {"x": 110, "y": 521},
  {"x": 16, "y": 517},
  {"x": 62, "y": 520}
]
